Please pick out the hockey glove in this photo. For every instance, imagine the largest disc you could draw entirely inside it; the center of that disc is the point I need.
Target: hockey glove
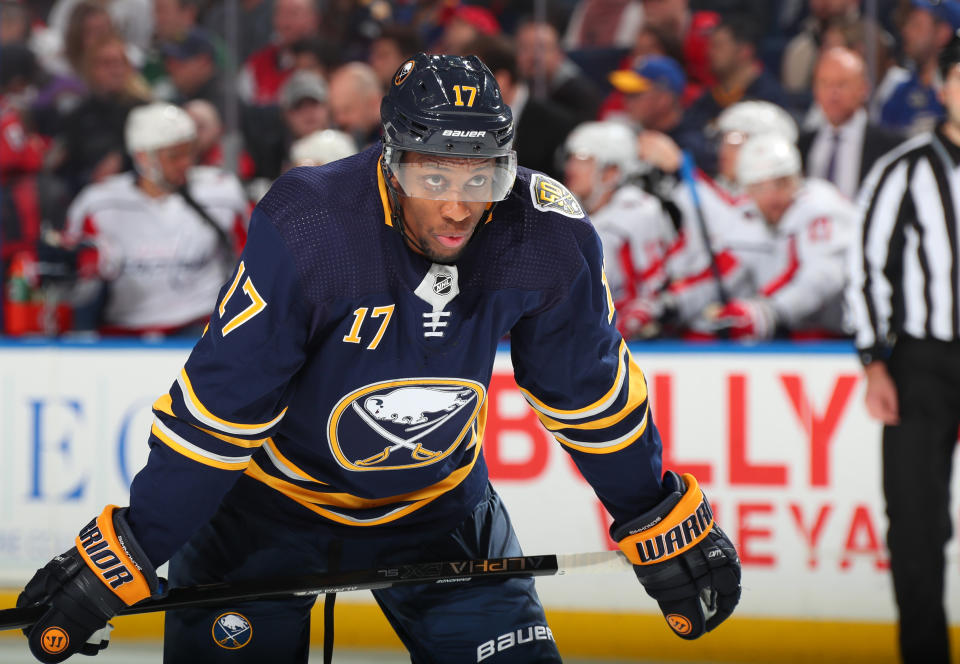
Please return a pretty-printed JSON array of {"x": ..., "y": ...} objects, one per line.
[
  {"x": 683, "y": 559},
  {"x": 750, "y": 320},
  {"x": 85, "y": 587}
]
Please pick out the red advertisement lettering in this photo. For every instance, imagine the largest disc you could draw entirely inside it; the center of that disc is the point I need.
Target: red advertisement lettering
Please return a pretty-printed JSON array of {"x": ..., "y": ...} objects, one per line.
[
  {"x": 819, "y": 428},
  {"x": 748, "y": 535},
  {"x": 500, "y": 427},
  {"x": 661, "y": 400},
  {"x": 812, "y": 534},
  {"x": 862, "y": 540},
  {"x": 742, "y": 472}
]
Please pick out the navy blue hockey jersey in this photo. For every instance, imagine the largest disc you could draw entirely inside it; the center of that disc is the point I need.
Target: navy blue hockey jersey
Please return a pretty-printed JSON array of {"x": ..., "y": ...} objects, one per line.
[{"x": 349, "y": 374}]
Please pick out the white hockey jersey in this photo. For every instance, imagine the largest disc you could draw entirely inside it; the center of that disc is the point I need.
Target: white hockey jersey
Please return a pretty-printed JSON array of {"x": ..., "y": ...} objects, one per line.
[
  {"x": 164, "y": 262},
  {"x": 798, "y": 264},
  {"x": 713, "y": 216},
  {"x": 636, "y": 235}
]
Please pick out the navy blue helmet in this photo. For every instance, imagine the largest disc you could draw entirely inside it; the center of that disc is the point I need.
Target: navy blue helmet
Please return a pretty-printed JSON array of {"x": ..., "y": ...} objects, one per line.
[{"x": 449, "y": 106}]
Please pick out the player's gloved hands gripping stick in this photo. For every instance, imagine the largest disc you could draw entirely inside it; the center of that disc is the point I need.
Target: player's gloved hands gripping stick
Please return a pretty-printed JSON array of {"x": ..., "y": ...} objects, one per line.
[
  {"x": 85, "y": 587},
  {"x": 683, "y": 559}
]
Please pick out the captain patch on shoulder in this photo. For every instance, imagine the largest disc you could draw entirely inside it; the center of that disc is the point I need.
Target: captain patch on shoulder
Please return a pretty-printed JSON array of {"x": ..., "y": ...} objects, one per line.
[{"x": 551, "y": 196}]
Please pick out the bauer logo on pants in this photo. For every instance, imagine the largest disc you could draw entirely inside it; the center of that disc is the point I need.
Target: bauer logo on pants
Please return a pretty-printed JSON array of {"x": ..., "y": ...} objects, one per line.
[{"x": 232, "y": 631}]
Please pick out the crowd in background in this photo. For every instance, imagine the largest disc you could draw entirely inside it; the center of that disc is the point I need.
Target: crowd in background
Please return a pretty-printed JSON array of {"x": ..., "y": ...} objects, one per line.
[{"x": 718, "y": 145}]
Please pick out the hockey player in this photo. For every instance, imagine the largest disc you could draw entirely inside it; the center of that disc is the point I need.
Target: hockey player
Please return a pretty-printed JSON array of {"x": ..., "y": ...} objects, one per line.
[
  {"x": 793, "y": 250},
  {"x": 634, "y": 229},
  {"x": 166, "y": 235},
  {"x": 700, "y": 269},
  {"x": 333, "y": 414}
]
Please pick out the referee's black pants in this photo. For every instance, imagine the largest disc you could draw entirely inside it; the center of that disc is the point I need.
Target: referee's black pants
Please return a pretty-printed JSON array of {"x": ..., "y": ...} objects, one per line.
[{"x": 917, "y": 456}]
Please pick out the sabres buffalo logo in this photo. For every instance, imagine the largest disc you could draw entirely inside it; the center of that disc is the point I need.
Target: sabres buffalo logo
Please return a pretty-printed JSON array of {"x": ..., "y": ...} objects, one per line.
[
  {"x": 405, "y": 423},
  {"x": 232, "y": 631},
  {"x": 551, "y": 196},
  {"x": 403, "y": 72}
]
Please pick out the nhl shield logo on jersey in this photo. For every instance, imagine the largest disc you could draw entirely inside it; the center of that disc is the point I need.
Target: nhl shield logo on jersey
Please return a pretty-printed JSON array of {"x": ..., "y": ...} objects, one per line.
[
  {"x": 442, "y": 284},
  {"x": 232, "y": 631},
  {"x": 401, "y": 424},
  {"x": 551, "y": 196}
]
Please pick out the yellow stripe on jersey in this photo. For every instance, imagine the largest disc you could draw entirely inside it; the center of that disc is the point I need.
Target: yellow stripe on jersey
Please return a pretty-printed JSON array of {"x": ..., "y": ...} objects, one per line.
[
  {"x": 200, "y": 412},
  {"x": 636, "y": 395},
  {"x": 608, "y": 446},
  {"x": 198, "y": 454},
  {"x": 315, "y": 500},
  {"x": 165, "y": 405},
  {"x": 284, "y": 465},
  {"x": 591, "y": 409}
]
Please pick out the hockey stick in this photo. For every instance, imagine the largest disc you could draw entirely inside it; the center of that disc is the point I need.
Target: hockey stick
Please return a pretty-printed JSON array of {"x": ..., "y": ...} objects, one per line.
[
  {"x": 686, "y": 174},
  {"x": 459, "y": 571}
]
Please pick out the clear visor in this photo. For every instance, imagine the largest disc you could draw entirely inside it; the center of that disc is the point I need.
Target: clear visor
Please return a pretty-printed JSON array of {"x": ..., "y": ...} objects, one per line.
[{"x": 465, "y": 179}]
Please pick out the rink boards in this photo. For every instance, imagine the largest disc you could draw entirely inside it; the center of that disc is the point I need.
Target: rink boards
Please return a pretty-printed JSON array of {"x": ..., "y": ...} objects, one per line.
[{"x": 777, "y": 435}]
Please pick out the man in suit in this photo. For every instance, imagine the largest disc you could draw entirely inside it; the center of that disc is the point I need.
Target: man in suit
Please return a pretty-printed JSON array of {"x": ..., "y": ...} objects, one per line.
[{"x": 846, "y": 145}]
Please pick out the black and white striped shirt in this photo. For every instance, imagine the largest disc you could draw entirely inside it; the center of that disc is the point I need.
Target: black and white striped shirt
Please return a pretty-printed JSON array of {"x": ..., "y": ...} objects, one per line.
[{"x": 904, "y": 268}]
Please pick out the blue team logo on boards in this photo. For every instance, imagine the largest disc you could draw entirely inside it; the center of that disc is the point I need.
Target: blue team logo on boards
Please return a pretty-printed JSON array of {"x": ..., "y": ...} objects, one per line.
[
  {"x": 232, "y": 631},
  {"x": 405, "y": 423}
]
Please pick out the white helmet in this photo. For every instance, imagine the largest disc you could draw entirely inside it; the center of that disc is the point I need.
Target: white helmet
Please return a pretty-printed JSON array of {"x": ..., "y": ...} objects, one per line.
[
  {"x": 757, "y": 117},
  {"x": 609, "y": 143},
  {"x": 322, "y": 147},
  {"x": 158, "y": 125},
  {"x": 766, "y": 157}
]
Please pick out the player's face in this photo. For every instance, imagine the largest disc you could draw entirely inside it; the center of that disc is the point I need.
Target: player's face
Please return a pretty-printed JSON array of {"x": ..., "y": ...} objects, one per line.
[
  {"x": 774, "y": 197},
  {"x": 727, "y": 152},
  {"x": 579, "y": 172},
  {"x": 440, "y": 229},
  {"x": 174, "y": 162}
]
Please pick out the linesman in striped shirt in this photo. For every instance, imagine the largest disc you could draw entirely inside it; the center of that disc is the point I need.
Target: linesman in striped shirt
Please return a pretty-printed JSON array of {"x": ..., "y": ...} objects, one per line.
[{"x": 904, "y": 297}]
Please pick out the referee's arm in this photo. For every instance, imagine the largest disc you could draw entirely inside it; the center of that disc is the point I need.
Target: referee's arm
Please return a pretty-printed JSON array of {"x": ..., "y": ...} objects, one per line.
[{"x": 884, "y": 201}]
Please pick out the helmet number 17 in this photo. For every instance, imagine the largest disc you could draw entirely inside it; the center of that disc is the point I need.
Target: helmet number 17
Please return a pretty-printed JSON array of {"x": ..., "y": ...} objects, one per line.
[{"x": 458, "y": 90}]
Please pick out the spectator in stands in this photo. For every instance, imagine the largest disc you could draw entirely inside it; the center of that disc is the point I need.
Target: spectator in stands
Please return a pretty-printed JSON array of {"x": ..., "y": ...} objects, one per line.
[
  {"x": 801, "y": 52},
  {"x": 794, "y": 252},
  {"x": 209, "y": 143},
  {"x": 687, "y": 32},
  {"x": 87, "y": 25},
  {"x": 14, "y": 23},
  {"x": 92, "y": 139},
  {"x": 844, "y": 148},
  {"x": 395, "y": 45},
  {"x": 652, "y": 91},
  {"x": 254, "y": 29},
  {"x": 550, "y": 74},
  {"x": 913, "y": 106},
  {"x": 316, "y": 54},
  {"x": 166, "y": 236},
  {"x": 739, "y": 73},
  {"x": 321, "y": 147},
  {"x": 191, "y": 65},
  {"x": 304, "y": 107},
  {"x": 173, "y": 22},
  {"x": 355, "y": 102},
  {"x": 466, "y": 23},
  {"x": 540, "y": 127},
  {"x": 265, "y": 72},
  {"x": 132, "y": 19},
  {"x": 305, "y": 102},
  {"x": 603, "y": 24}
]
